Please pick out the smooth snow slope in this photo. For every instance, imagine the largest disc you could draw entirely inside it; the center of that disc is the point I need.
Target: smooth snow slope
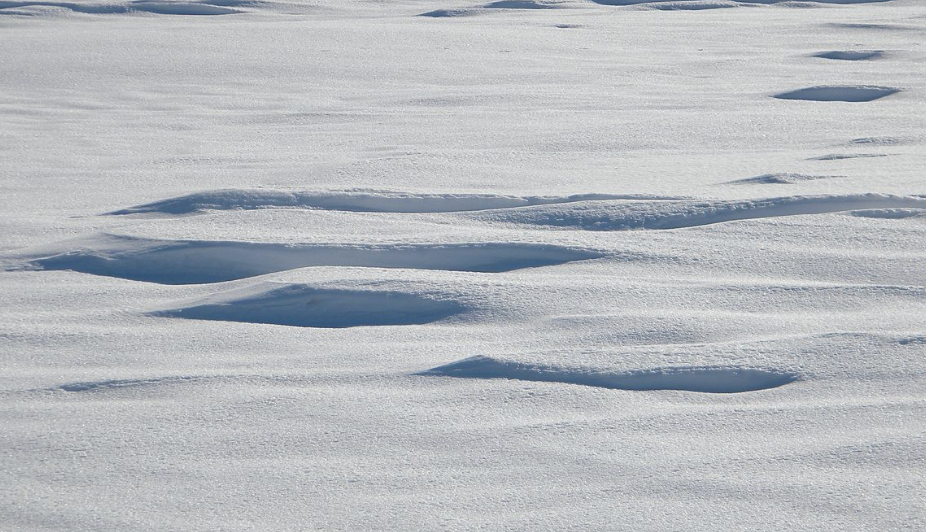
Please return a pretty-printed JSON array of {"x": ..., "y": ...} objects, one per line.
[{"x": 452, "y": 264}]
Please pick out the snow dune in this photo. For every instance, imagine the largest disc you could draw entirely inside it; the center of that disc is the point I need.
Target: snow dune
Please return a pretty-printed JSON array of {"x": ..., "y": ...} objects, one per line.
[
  {"x": 837, "y": 93},
  {"x": 706, "y": 379},
  {"x": 357, "y": 201},
  {"x": 305, "y": 306},
  {"x": 604, "y": 216},
  {"x": 195, "y": 262}
]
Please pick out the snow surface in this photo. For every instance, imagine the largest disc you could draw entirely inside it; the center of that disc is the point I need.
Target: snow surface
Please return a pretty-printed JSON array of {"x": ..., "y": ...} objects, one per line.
[{"x": 451, "y": 264}]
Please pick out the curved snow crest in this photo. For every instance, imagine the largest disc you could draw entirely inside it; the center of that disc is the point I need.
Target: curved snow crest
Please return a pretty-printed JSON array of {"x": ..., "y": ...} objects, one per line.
[
  {"x": 331, "y": 308},
  {"x": 355, "y": 201},
  {"x": 602, "y": 216},
  {"x": 196, "y": 262},
  {"x": 704, "y": 379}
]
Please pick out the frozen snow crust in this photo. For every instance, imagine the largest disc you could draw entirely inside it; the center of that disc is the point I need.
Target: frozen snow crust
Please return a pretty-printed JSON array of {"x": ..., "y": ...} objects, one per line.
[{"x": 512, "y": 265}]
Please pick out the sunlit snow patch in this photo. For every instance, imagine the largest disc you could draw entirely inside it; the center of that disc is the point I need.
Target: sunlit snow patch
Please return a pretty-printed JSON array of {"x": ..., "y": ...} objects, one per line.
[{"x": 706, "y": 379}]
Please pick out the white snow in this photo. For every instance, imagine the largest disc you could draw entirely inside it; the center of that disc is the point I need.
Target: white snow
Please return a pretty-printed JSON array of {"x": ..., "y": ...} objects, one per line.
[{"x": 461, "y": 264}]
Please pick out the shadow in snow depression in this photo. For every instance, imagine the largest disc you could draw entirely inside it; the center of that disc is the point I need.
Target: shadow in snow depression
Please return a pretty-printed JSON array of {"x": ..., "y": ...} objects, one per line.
[
  {"x": 143, "y": 6},
  {"x": 835, "y": 93},
  {"x": 781, "y": 178},
  {"x": 356, "y": 201},
  {"x": 655, "y": 3},
  {"x": 844, "y": 156},
  {"x": 851, "y": 55},
  {"x": 198, "y": 262},
  {"x": 705, "y": 379},
  {"x": 626, "y": 216},
  {"x": 303, "y": 306},
  {"x": 890, "y": 214},
  {"x": 116, "y": 384},
  {"x": 487, "y": 8}
]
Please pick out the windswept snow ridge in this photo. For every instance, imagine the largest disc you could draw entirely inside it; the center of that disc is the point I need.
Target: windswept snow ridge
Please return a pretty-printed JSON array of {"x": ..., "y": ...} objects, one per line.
[
  {"x": 355, "y": 201},
  {"x": 305, "y": 306},
  {"x": 195, "y": 262},
  {"x": 603, "y": 216},
  {"x": 706, "y": 379}
]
